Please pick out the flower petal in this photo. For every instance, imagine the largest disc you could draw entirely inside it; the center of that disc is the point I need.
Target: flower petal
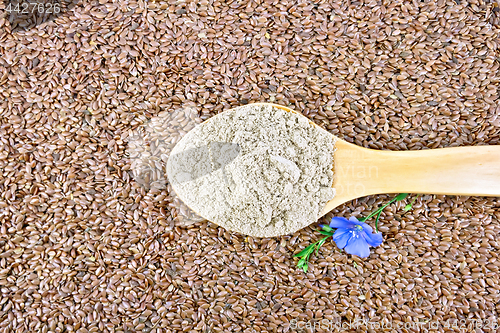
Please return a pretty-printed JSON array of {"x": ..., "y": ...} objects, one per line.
[
  {"x": 373, "y": 239},
  {"x": 341, "y": 237},
  {"x": 341, "y": 222},
  {"x": 358, "y": 246}
]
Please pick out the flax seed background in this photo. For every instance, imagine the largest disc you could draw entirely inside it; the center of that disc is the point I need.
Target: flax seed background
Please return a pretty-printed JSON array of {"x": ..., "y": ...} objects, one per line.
[{"x": 85, "y": 248}]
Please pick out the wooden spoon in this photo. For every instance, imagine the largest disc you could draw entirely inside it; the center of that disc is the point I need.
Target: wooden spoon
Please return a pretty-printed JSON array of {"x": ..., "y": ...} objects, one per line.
[{"x": 361, "y": 171}]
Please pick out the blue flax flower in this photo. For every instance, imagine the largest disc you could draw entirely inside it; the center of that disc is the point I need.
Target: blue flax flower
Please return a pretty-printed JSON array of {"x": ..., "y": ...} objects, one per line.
[{"x": 354, "y": 236}]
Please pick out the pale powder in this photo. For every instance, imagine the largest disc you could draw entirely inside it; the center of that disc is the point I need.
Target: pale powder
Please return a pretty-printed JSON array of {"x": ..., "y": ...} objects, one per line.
[{"x": 273, "y": 179}]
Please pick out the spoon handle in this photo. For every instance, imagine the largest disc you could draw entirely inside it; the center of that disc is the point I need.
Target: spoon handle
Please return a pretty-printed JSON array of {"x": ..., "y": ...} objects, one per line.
[{"x": 454, "y": 171}]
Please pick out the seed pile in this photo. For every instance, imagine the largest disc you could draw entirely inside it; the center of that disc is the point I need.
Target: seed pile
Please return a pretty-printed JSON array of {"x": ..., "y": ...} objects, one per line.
[{"x": 84, "y": 247}]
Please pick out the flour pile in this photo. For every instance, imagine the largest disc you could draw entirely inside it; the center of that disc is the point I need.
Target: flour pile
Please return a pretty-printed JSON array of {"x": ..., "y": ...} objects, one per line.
[{"x": 256, "y": 169}]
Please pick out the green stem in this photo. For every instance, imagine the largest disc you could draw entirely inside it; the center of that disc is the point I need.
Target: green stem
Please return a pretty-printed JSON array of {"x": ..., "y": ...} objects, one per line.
[
  {"x": 378, "y": 210},
  {"x": 410, "y": 205},
  {"x": 376, "y": 221},
  {"x": 318, "y": 244},
  {"x": 305, "y": 257}
]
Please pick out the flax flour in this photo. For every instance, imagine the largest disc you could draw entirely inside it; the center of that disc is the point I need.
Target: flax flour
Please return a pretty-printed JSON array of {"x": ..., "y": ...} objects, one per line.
[{"x": 255, "y": 169}]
